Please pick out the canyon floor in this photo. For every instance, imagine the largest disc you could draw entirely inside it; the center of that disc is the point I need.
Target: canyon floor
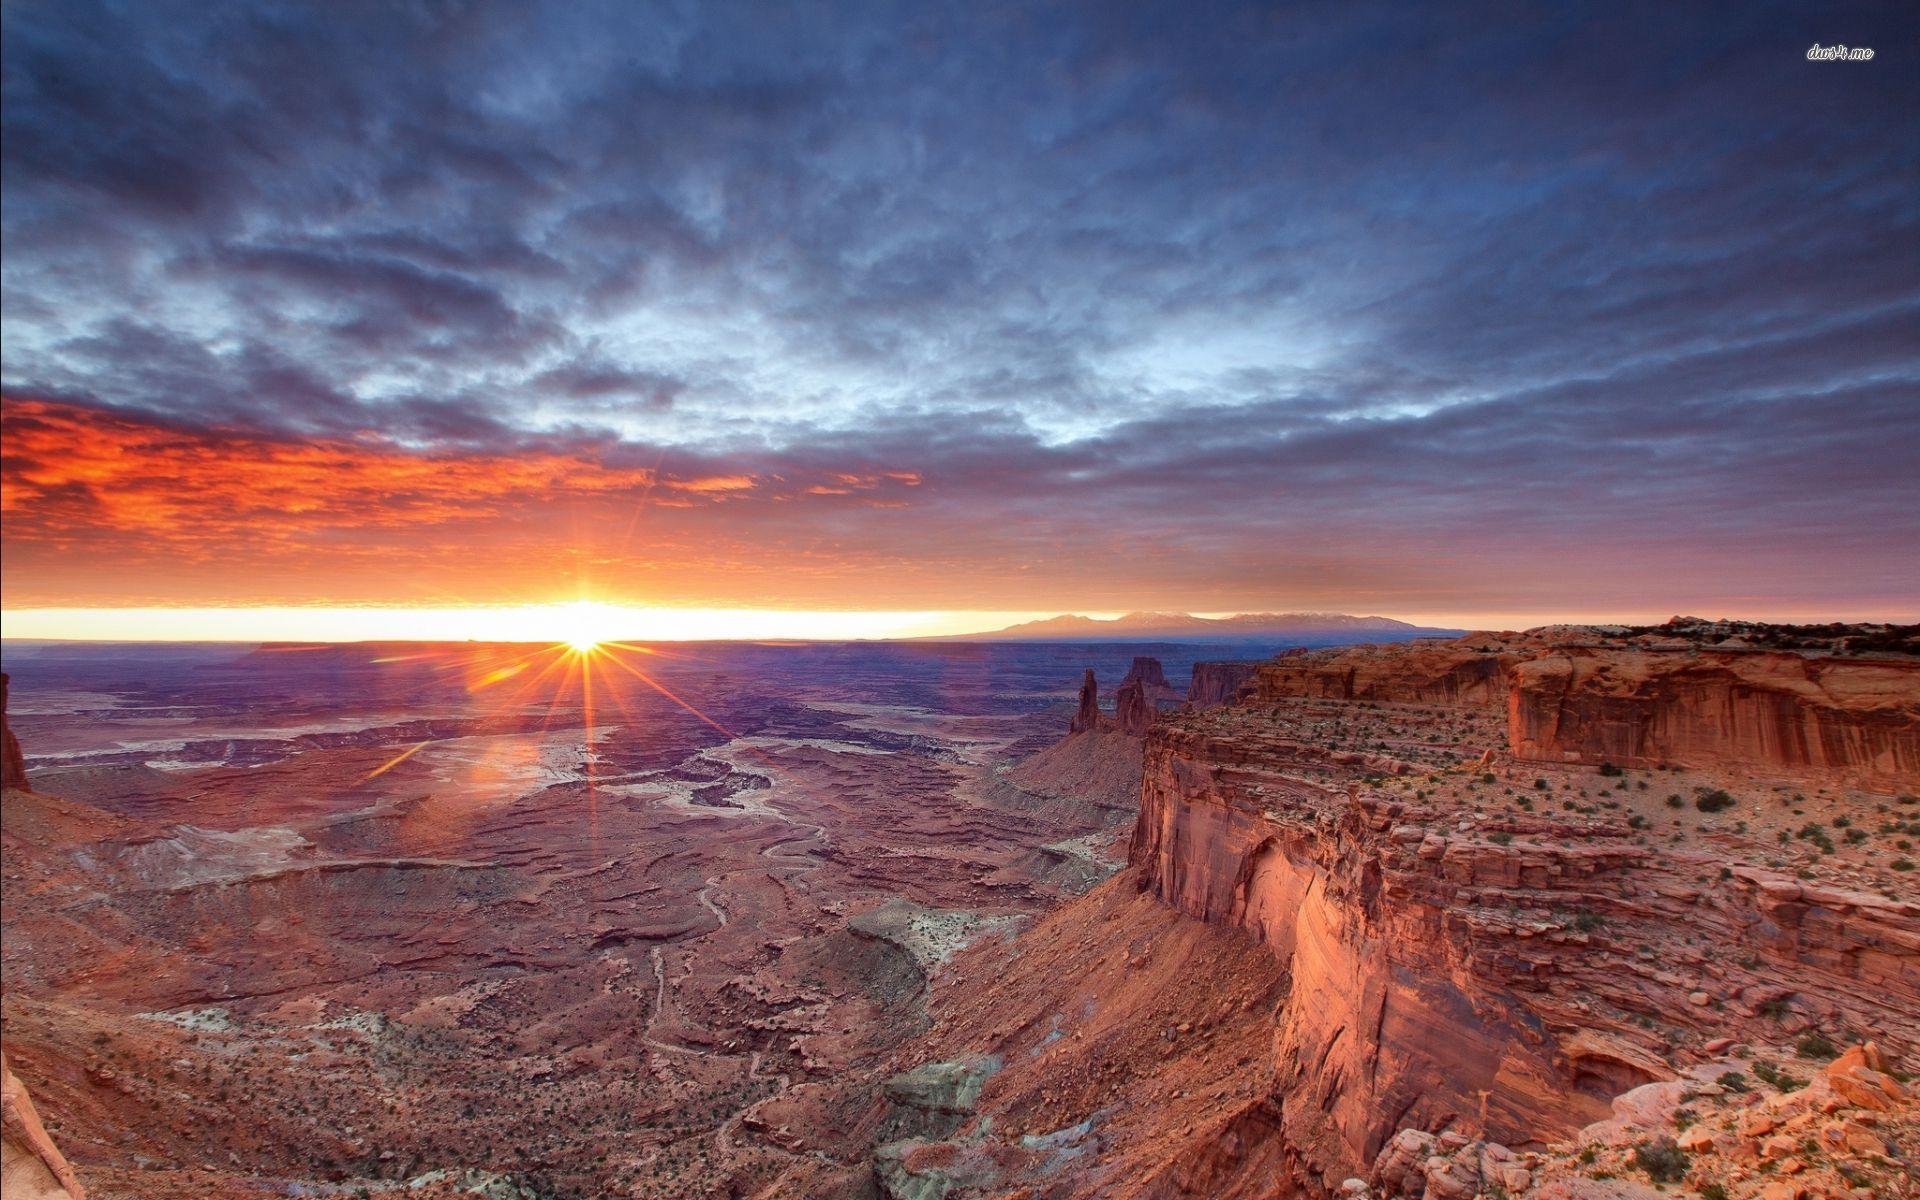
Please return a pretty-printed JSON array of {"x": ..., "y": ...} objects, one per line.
[{"x": 344, "y": 921}]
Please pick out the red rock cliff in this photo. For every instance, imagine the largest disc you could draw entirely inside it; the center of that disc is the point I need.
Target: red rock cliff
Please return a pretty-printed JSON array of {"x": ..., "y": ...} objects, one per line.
[
  {"x": 1467, "y": 671},
  {"x": 1506, "y": 974},
  {"x": 1835, "y": 718},
  {"x": 1570, "y": 697}
]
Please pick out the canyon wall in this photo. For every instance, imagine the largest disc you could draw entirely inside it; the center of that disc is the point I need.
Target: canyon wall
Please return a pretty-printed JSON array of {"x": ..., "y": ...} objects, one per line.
[
  {"x": 1217, "y": 682},
  {"x": 1466, "y": 671},
  {"x": 1571, "y": 698},
  {"x": 1505, "y": 974},
  {"x": 1836, "y": 718}
]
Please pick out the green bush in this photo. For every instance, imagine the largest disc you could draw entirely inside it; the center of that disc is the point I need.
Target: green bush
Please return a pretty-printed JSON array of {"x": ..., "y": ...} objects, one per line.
[
  {"x": 1769, "y": 1073},
  {"x": 1663, "y": 1161},
  {"x": 1816, "y": 1045},
  {"x": 1714, "y": 801}
]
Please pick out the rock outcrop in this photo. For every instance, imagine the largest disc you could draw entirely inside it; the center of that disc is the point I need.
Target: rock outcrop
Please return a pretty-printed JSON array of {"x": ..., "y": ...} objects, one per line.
[
  {"x": 1152, "y": 677},
  {"x": 1580, "y": 695},
  {"x": 1133, "y": 709},
  {"x": 1835, "y": 718},
  {"x": 31, "y": 1166},
  {"x": 1504, "y": 974},
  {"x": 13, "y": 771},
  {"x": 1087, "y": 716},
  {"x": 1851, "y": 1130},
  {"x": 1218, "y": 682},
  {"x": 1468, "y": 671}
]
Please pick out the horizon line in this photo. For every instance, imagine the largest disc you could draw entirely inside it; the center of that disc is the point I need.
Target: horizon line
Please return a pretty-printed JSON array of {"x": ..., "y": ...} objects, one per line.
[{"x": 597, "y": 621}]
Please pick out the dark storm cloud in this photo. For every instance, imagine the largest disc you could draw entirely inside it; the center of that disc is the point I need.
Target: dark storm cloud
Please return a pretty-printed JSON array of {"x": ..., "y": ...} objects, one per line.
[{"x": 1243, "y": 279}]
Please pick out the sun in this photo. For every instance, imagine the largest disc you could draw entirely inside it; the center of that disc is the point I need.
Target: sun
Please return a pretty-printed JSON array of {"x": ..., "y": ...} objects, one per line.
[{"x": 583, "y": 626}]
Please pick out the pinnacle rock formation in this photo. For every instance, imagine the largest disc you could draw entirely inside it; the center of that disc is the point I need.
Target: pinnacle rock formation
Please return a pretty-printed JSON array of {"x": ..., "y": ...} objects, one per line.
[
  {"x": 1088, "y": 715},
  {"x": 1133, "y": 711},
  {"x": 13, "y": 773}
]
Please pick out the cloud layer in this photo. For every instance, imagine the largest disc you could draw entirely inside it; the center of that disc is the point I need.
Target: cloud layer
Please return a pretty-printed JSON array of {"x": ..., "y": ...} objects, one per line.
[{"x": 962, "y": 306}]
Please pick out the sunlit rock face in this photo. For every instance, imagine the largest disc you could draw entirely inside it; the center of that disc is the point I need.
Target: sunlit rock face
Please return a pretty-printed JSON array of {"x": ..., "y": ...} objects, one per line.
[
  {"x": 31, "y": 1166},
  {"x": 1686, "y": 694},
  {"x": 1819, "y": 717},
  {"x": 1460, "y": 958}
]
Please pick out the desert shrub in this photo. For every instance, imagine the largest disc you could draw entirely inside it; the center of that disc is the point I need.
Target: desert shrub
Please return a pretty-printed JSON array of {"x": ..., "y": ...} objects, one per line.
[
  {"x": 1608, "y": 769},
  {"x": 1500, "y": 839},
  {"x": 1714, "y": 801},
  {"x": 1674, "y": 801},
  {"x": 1663, "y": 1161},
  {"x": 1816, "y": 1045},
  {"x": 1586, "y": 920},
  {"x": 1768, "y": 1073}
]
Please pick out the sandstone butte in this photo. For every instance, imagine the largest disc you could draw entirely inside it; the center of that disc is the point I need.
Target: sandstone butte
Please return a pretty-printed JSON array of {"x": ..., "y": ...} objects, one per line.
[{"x": 1218, "y": 682}]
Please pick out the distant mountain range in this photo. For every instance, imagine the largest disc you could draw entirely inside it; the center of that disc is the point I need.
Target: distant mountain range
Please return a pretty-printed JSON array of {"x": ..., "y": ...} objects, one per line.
[{"x": 1299, "y": 628}]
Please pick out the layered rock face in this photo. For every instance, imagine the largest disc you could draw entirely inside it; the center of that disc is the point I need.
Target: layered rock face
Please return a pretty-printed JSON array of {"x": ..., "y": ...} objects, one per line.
[
  {"x": 1459, "y": 961},
  {"x": 1218, "y": 682},
  {"x": 1468, "y": 671},
  {"x": 13, "y": 770},
  {"x": 31, "y": 1166},
  {"x": 1581, "y": 695},
  {"x": 1857, "y": 719}
]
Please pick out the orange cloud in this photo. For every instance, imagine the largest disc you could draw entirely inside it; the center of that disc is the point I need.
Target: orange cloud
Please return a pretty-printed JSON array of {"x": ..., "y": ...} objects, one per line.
[
  {"x": 107, "y": 506},
  {"x": 69, "y": 470},
  {"x": 718, "y": 483}
]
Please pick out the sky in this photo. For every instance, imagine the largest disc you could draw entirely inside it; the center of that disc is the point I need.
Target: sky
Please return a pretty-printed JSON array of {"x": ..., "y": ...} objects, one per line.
[{"x": 1478, "y": 315}]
